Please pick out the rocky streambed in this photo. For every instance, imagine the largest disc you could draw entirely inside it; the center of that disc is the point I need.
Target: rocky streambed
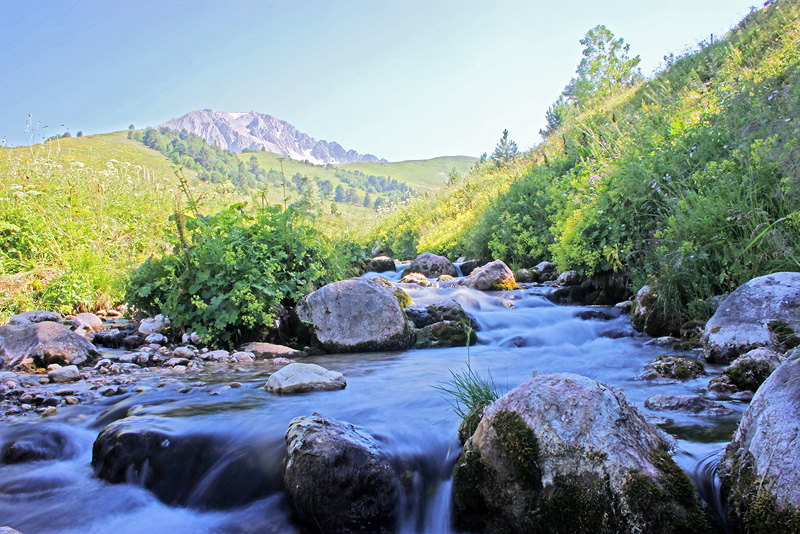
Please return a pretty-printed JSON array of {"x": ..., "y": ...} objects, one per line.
[{"x": 201, "y": 445}]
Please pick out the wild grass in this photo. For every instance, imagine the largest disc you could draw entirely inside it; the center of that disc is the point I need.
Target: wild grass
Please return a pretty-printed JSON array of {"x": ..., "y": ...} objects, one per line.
[{"x": 69, "y": 231}]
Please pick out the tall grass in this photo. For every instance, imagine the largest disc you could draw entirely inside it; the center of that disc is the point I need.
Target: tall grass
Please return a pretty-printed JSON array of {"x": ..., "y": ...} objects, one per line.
[{"x": 69, "y": 233}]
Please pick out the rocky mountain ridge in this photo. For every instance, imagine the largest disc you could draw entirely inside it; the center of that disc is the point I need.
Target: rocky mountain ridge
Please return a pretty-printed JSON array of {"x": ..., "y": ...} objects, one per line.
[{"x": 238, "y": 131}]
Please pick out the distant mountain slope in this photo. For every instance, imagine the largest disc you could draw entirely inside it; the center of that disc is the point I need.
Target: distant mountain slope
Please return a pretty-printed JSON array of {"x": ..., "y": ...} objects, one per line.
[{"x": 238, "y": 131}]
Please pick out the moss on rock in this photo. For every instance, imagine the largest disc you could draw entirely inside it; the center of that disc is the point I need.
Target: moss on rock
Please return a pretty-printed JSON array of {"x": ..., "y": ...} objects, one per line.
[{"x": 785, "y": 334}]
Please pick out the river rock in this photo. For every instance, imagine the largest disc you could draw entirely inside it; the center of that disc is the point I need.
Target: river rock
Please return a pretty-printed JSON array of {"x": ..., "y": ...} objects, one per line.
[
  {"x": 302, "y": 377},
  {"x": 380, "y": 264},
  {"x": 569, "y": 278},
  {"x": 9, "y": 530},
  {"x": 442, "y": 324},
  {"x": 743, "y": 322},
  {"x": 338, "y": 477},
  {"x": 268, "y": 351},
  {"x": 183, "y": 464},
  {"x": 355, "y": 315},
  {"x": 415, "y": 278},
  {"x": 34, "y": 316},
  {"x": 470, "y": 265},
  {"x": 431, "y": 266},
  {"x": 90, "y": 320},
  {"x": 564, "y": 453},
  {"x": 494, "y": 276},
  {"x": 747, "y": 372},
  {"x": 64, "y": 375},
  {"x": 158, "y": 339},
  {"x": 689, "y": 404},
  {"x": 40, "y": 344},
  {"x": 672, "y": 368},
  {"x": 760, "y": 468},
  {"x": 647, "y": 317},
  {"x": 403, "y": 298},
  {"x": 156, "y": 325}
]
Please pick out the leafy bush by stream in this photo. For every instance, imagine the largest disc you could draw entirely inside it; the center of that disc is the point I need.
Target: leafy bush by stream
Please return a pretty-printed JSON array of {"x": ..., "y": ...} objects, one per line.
[{"x": 230, "y": 271}]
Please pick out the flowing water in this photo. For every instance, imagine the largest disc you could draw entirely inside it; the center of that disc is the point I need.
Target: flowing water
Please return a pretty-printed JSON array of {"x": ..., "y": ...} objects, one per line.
[{"x": 392, "y": 395}]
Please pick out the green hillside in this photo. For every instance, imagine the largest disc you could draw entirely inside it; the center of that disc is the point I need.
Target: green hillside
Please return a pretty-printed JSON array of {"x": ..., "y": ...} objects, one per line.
[
  {"x": 688, "y": 181},
  {"x": 425, "y": 175}
]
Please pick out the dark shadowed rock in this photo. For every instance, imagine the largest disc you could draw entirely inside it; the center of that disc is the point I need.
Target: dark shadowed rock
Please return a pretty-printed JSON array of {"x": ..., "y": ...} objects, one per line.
[
  {"x": 355, "y": 315},
  {"x": 380, "y": 264},
  {"x": 760, "y": 468},
  {"x": 564, "y": 453},
  {"x": 38, "y": 442},
  {"x": 470, "y": 265},
  {"x": 742, "y": 322},
  {"x": 442, "y": 324},
  {"x": 494, "y": 276},
  {"x": 431, "y": 266},
  {"x": 647, "y": 317},
  {"x": 338, "y": 477},
  {"x": 43, "y": 343},
  {"x": 185, "y": 465}
]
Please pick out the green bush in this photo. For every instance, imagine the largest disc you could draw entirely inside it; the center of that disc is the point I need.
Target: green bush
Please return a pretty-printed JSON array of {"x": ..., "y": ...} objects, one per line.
[{"x": 230, "y": 271}]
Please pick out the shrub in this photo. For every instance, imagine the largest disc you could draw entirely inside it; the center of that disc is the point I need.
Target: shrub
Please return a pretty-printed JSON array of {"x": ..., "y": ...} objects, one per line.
[{"x": 230, "y": 271}]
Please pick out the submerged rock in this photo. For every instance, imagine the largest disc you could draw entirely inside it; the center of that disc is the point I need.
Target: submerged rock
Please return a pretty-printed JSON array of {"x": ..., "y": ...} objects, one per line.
[
  {"x": 41, "y": 344},
  {"x": 338, "y": 477},
  {"x": 756, "y": 314},
  {"x": 37, "y": 443},
  {"x": 564, "y": 453},
  {"x": 689, "y": 404},
  {"x": 303, "y": 377},
  {"x": 184, "y": 465},
  {"x": 494, "y": 276},
  {"x": 431, "y": 266},
  {"x": 355, "y": 315},
  {"x": 760, "y": 468}
]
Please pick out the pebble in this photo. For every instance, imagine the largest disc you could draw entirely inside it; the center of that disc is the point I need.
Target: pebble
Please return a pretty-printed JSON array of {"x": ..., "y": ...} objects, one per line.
[
  {"x": 71, "y": 400},
  {"x": 49, "y": 411}
]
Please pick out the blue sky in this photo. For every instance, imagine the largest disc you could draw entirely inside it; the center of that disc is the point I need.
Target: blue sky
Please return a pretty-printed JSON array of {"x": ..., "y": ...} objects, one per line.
[{"x": 398, "y": 79}]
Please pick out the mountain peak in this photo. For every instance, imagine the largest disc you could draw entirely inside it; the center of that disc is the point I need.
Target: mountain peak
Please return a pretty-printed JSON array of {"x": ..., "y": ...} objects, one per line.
[{"x": 236, "y": 131}]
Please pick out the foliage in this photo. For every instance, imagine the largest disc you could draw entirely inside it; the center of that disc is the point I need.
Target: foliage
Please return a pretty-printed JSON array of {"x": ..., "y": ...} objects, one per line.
[
  {"x": 505, "y": 152},
  {"x": 467, "y": 391},
  {"x": 688, "y": 182},
  {"x": 230, "y": 271},
  {"x": 606, "y": 67}
]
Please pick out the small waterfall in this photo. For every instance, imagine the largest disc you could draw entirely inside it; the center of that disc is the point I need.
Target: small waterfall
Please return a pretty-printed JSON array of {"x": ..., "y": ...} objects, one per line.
[{"x": 705, "y": 478}]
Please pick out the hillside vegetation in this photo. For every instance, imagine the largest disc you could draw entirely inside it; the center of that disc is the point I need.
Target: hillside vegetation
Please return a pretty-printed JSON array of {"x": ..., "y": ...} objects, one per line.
[{"x": 688, "y": 181}]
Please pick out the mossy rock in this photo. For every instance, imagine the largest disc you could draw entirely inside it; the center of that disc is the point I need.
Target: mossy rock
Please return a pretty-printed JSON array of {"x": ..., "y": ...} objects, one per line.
[
  {"x": 747, "y": 374},
  {"x": 785, "y": 334},
  {"x": 445, "y": 334}
]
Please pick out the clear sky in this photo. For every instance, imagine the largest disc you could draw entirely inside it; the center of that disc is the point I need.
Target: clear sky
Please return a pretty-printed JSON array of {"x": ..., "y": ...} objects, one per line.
[{"x": 401, "y": 79}]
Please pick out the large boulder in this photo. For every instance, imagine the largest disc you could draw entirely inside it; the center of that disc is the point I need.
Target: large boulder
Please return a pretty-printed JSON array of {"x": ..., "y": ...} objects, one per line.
[
  {"x": 494, "y": 276},
  {"x": 338, "y": 477},
  {"x": 303, "y": 377},
  {"x": 431, "y": 266},
  {"x": 647, "y": 317},
  {"x": 760, "y": 468},
  {"x": 564, "y": 453},
  {"x": 764, "y": 312},
  {"x": 355, "y": 315},
  {"x": 41, "y": 344},
  {"x": 185, "y": 465}
]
